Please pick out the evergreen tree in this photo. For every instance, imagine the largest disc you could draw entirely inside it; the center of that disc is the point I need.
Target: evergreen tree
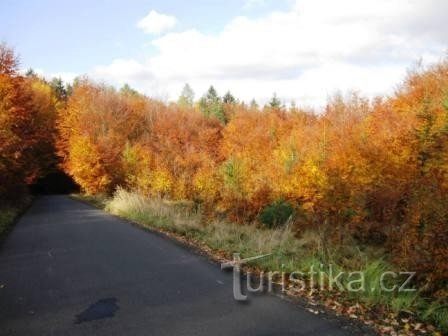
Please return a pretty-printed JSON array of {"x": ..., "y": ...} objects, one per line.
[
  {"x": 30, "y": 73},
  {"x": 275, "y": 103},
  {"x": 128, "y": 90},
  {"x": 211, "y": 105},
  {"x": 58, "y": 87},
  {"x": 228, "y": 98},
  {"x": 186, "y": 97},
  {"x": 69, "y": 90},
  {"x": 253, "y": 104},
  {"x": 293, "y": 108}
]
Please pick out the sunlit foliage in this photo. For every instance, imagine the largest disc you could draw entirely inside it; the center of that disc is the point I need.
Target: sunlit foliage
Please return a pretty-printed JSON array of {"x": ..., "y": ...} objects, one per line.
[
  {"x": 374, "y": 170},
  {"x": 28, "y": 112},
  {"x": 371, "y": 170}
]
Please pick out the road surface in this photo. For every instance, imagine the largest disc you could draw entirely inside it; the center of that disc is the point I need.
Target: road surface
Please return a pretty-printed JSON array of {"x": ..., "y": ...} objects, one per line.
[{"x": 70, "y": 269}]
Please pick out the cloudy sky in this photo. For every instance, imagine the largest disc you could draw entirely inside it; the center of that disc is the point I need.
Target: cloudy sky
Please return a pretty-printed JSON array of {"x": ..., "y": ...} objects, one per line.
[{"x": 304, "y": 50}]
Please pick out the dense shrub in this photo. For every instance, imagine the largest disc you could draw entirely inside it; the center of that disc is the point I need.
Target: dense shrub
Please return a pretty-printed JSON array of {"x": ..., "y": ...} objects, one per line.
[{"x": 276, "y": 214}]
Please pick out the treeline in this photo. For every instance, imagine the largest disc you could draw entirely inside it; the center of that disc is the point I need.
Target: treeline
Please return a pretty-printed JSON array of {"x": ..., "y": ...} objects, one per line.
[
  {"x": 371, "y": 171},
  {"x": 376, "y": 171},
  {"x": 29, "y": 109}
]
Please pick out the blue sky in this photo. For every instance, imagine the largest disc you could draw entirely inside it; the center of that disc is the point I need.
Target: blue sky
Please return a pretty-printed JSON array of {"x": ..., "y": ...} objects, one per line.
[
  {"x": 74, "y": 36},
  {"x": 305, "y": 50}
]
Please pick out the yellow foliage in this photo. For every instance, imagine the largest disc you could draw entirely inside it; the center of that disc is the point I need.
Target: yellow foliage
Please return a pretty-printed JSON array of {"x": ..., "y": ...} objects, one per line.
[{"x": 161, "y": 182}]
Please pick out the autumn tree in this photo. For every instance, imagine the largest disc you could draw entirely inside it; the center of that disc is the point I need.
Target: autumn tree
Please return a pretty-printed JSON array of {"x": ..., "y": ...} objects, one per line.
[
  {"x": 423, "y": 236},
  {"x": 97, "y": 124},
  {"x": 28, "y": 111},
  {"x": 374, "y": 171}
]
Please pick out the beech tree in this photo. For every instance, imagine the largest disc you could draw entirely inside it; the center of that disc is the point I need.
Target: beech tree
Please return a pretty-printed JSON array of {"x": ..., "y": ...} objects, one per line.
[{"x": 28, "y": 112}]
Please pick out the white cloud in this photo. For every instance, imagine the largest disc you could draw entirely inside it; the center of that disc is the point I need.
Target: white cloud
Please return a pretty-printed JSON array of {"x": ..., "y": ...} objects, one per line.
[
  {"x": 123, "y": 69},
  {"x": 155, "y": 23},
  {"x": 305, "y": 53},
  {"x": 67, "y": 77}
]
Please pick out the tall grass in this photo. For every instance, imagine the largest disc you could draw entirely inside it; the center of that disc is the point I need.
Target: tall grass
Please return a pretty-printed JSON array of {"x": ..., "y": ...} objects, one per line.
[
  {"x": 154, "y": 212},
  {"x": 181, "y": 218}
]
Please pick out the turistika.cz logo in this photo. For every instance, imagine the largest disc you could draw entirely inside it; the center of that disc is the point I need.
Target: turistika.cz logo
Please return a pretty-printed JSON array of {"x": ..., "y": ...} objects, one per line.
[{"x": 323, "y": 277}]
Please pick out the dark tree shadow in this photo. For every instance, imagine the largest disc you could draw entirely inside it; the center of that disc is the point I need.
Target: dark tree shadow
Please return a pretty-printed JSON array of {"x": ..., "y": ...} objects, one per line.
[{"x": 55, "y": 182}]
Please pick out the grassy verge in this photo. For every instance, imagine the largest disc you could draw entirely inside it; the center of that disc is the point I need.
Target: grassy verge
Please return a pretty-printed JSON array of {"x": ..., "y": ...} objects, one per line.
[
  {"x": 9, "y": 214},
  {"x": 7, "y": 218},
  {"x": 98, "y": 201},
  {"x": 393, "y": 312}
]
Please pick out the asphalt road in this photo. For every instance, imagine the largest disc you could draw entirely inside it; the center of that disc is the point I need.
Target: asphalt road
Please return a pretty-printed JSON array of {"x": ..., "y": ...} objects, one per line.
[{"x": 70, "y": 269}]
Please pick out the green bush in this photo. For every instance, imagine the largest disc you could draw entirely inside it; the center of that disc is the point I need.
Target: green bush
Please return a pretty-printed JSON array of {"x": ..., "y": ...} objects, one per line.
[{"x": 276, "y": 214}]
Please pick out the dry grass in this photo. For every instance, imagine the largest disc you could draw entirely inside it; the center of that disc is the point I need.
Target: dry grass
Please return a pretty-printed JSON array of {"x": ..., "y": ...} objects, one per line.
[
  {"x": 178, "y": 217},
  {"x": 154, "y": 211}
]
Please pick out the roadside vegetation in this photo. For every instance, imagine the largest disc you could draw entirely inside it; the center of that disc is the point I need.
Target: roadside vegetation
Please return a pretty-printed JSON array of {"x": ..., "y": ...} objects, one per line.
[
  {"x": 390, "y": 312},
  {"x": 7, "y": 217},
  {"x": 9, "y": 213},
  {"x": 362, "y": 184}
]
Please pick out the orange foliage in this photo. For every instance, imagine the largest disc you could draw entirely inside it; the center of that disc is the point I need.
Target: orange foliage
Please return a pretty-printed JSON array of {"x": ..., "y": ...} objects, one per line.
[
  {"x": 28, "y": 109},
  {"x": 373, "y": 170}
]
